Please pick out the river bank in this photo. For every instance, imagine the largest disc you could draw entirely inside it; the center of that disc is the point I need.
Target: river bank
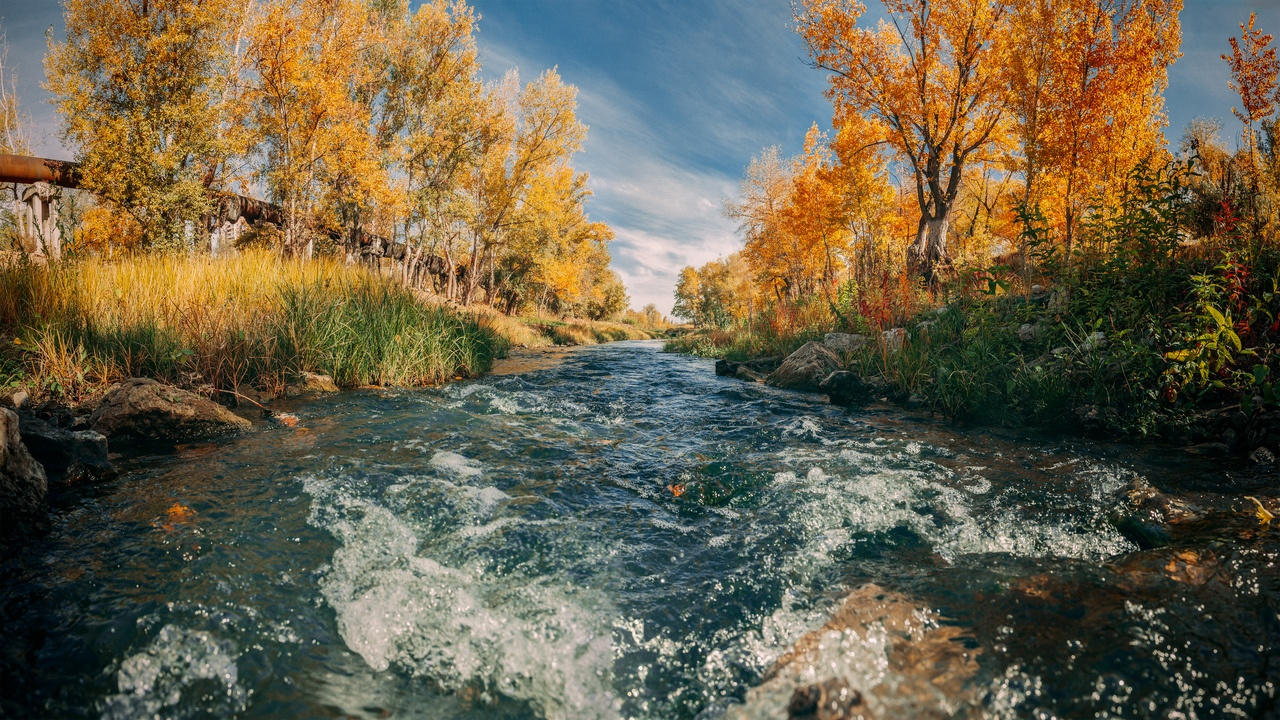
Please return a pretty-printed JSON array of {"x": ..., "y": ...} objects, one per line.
[
  {"x": 79, "y": 339},
  {"x": 626, "y": 535},
  {"x": 1035, "y": 362}
]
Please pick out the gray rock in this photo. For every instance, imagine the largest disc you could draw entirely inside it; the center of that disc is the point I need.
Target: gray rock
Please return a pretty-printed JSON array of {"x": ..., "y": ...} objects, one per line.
[
  {"x": 1094, "y": 341},
  {"x": 17, "y": 399},
  {"x": 67, "y": 456},
  {"x": 23, "y": 485},
  {"x": 926, "y": 326},
  {"x": 1031, "y": 332},
  {"x": 892, "y": 339},
  {"x": 805, "y": 369},
  {"x": 1038, "y": 291},
  {"x": 143, "y": 409},
  {"x": 844, "y": 342}
]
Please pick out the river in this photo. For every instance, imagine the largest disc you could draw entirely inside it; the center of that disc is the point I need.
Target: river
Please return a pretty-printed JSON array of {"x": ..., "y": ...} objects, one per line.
[{"x": 625, "y": 535}]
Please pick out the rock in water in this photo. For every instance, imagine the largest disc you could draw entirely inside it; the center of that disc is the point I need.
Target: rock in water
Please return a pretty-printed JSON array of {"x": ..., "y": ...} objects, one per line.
[
  {"x": 844, "y": 342},
  {"x": 805, "y": 369},
  {"x": 726, "y": 367},
  {"x": 309, "y": 383},
  {"x": 846, "y": 389},
  {"x": 67, "y": 456},
  {"x": 23, "y": 485},
  {"x": 143, "y": 409}
]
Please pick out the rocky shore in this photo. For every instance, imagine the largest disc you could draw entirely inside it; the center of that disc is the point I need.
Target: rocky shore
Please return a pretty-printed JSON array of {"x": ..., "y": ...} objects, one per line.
[{"x": 50, "y": 446}]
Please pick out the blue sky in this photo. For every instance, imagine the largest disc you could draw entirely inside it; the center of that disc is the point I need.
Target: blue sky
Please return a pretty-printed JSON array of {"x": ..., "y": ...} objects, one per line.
[{"x": 679, "y": 95}]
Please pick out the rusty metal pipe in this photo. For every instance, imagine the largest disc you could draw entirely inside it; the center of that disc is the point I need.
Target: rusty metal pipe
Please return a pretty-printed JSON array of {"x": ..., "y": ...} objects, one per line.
[{"x": 26, "y": 170}]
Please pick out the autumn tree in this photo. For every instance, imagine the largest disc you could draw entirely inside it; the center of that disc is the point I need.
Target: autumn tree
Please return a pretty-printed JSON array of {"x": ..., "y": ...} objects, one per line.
[
  {"x": 437, "y": 111},
  {"x": 307, "y": 60},
  {"x": 138, "y": 87},
  {"x": 1110, "y": 116},
  {"x": 931, "y": 76},
  {"x": 1254, "y": 70},
  {"x": 718, "y": 294},
  {"x": 532, "y": 131}
]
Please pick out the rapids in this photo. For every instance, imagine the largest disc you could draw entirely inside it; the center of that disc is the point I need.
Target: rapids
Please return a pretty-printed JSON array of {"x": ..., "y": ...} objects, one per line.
[{"x": 625, "y": 535}]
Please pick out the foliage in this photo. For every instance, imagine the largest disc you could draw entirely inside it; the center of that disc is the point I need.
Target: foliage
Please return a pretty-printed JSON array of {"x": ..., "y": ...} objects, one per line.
[{"x": 139, "y": 89}]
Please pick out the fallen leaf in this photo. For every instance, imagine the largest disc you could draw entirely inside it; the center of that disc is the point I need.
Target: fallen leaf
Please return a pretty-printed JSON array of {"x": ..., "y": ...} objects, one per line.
[
  {"x": 1264, "y": 517},
  {"x": 676, "y": 490}
]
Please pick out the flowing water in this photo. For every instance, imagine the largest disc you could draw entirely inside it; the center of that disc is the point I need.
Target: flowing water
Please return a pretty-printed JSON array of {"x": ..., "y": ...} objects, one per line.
[{"x": 622, "y": 535}]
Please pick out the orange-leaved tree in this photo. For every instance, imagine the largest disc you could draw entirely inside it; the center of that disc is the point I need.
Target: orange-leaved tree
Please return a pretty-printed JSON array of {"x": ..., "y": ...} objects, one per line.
[
  {"x": 931, "y": 76},
  {"x": 1084, "y": 85}
]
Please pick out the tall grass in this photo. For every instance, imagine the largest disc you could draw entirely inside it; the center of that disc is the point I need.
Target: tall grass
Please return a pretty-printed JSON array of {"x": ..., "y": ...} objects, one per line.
[{"x": 250, "y": 321}]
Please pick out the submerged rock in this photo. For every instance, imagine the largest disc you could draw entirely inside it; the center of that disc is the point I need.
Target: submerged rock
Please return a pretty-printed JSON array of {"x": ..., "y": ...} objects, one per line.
[
  {"x": 67, "y": 455},
  {"x": 805, "y": 369},
  {"x": 756, "y": 368},
  {"x": 1151, "y": 518},
  {"x": 847, "y": 389},
  {"x": 880, "y": 655},
  {"x": 831, "y": 699},
  {"x": 23, "y": 485},
  {"x": 143, "y": 409}
]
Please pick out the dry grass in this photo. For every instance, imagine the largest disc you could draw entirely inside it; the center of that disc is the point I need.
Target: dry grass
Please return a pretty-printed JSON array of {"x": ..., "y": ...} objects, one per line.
[{"x": 252, "y": 320}]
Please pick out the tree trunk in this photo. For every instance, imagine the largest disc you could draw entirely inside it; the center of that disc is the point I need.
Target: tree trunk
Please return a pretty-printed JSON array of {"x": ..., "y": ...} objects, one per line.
[{"x": 928, "y": 257}]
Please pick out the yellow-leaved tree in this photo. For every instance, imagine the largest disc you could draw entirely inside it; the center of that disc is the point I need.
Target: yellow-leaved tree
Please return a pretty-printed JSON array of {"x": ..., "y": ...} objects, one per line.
[
  {"x": 308, "y": 62},
  {"x": 140, "y": 89}
]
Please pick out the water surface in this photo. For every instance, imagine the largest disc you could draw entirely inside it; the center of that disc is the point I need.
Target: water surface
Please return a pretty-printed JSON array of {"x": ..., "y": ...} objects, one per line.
[{"x": 623, "y": 534}]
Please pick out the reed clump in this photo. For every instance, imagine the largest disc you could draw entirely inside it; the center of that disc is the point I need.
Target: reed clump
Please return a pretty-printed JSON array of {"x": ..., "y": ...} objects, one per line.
[{"x": 255, "y": 320}]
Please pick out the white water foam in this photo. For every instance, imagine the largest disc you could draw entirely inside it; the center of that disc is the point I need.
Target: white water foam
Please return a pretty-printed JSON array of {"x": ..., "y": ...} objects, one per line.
[
  {"x": 454, "y": 464},
  {"x": 539, "y": 640},
  {"x": 178, "y": 665}
]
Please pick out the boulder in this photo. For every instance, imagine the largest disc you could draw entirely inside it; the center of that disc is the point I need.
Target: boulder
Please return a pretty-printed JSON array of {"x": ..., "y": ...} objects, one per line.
[
  {"x": 747, "y": 374},
  {"x": 1094, "y": 341},
  {"x": 23, "y": 485},
  {"x": 1031, "y": 332},
  {"x": 928, "y": 670},
  {"x": 847, "y": 389},
  {"x": 310, "y": 383},
  {"x": 16, "y": 399},
  {"x": 841, "y": 343},
  {"x": 67, "y": 455},
  {"x": 892, "y": 339},
  {"x": 805, "y": 369},
  {"x": 143, "y": 409}
]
